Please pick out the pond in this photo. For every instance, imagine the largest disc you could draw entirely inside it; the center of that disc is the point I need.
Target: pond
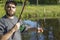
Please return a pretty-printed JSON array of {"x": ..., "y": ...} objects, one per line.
[{"x": 51, "y": 29}]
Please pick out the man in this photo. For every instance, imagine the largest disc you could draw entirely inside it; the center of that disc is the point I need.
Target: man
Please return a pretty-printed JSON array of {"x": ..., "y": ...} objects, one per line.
[
  {"x": 8, "y": 23},
  {"x": 9, "y": 28}
]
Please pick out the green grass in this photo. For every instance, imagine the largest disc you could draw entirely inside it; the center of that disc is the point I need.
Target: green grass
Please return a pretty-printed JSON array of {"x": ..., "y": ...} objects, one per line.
[{"x": 36, "y": 12}]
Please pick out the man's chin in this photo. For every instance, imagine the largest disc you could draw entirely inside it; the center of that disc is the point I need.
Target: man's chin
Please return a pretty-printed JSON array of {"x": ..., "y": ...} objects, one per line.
[{"x": 10, "y": 15}]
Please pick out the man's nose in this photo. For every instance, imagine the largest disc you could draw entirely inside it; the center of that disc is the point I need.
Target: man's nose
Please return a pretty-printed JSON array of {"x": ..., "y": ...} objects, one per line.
[{"x": 11, "y": 8}]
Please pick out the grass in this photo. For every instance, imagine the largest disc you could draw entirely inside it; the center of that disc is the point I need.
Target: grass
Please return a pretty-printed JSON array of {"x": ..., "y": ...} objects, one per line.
[{"x": 36, "y": 12}]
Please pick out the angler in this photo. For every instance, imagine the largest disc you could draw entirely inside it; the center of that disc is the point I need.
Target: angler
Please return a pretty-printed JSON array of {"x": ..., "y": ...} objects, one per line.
[{"x": 9, "y": 23}]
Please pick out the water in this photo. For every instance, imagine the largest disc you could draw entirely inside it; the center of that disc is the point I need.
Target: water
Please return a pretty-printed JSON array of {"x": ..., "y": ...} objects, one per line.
[{"x": 50, "y": 27}]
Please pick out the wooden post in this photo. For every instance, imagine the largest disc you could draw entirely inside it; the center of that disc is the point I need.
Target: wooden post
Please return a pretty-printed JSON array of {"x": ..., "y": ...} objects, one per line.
[{"x": 37, "y": 2}]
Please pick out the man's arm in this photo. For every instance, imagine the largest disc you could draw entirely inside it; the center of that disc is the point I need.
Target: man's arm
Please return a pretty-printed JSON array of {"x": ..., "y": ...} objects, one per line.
[{"x": 9, "y": 34}]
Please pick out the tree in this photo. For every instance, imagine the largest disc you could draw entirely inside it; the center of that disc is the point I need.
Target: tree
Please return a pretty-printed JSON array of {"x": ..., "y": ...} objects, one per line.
[
  {"x": 32, "y": 1},
  {"x": 37, "y": 2}
]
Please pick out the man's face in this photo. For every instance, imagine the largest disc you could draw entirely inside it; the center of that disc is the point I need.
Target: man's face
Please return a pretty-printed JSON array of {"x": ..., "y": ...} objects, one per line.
[{"x": 10, "y": 9}]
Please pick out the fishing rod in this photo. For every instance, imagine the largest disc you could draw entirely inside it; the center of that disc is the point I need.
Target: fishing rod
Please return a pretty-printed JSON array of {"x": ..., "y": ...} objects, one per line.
[
  {"x": 21, "y": 14},
  {"x": 22, "y": 11}
]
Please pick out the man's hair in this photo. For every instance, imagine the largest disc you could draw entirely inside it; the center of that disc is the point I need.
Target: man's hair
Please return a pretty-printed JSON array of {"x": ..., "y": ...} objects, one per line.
[{"x": 11, "y": 1}]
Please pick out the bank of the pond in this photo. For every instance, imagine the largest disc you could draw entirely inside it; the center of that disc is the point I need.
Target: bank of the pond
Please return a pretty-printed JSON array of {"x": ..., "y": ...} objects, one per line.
[{"x": 34, "y": 12}]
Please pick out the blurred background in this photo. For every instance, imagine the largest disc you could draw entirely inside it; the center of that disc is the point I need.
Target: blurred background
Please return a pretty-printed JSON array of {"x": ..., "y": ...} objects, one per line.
[{"x": 45, "y": 12}]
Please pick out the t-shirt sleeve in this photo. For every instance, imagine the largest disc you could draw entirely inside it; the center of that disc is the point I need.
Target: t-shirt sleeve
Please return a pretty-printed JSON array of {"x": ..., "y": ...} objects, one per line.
[{"x": 1, "y": 29}]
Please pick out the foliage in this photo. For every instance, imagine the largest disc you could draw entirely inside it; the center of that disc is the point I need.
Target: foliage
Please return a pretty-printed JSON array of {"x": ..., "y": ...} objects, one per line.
[
  {"x": 35, "y": 1},
  {"x": 36, "y": 12}
]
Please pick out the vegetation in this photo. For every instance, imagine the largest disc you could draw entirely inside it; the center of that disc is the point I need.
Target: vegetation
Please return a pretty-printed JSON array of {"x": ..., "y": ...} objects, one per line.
[
  {"x": 36, "y": 1},
  {"x": 36, "y": 12}
]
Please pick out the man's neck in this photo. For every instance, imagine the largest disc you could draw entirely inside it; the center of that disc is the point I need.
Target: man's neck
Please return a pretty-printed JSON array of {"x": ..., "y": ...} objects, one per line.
[{"x": 10, "y": 17}]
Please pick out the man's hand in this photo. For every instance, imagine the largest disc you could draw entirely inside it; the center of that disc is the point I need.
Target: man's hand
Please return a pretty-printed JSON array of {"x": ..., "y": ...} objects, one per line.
[
  {"x": 17, "y": 26},
  {"x": 40, "y": 30}
]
